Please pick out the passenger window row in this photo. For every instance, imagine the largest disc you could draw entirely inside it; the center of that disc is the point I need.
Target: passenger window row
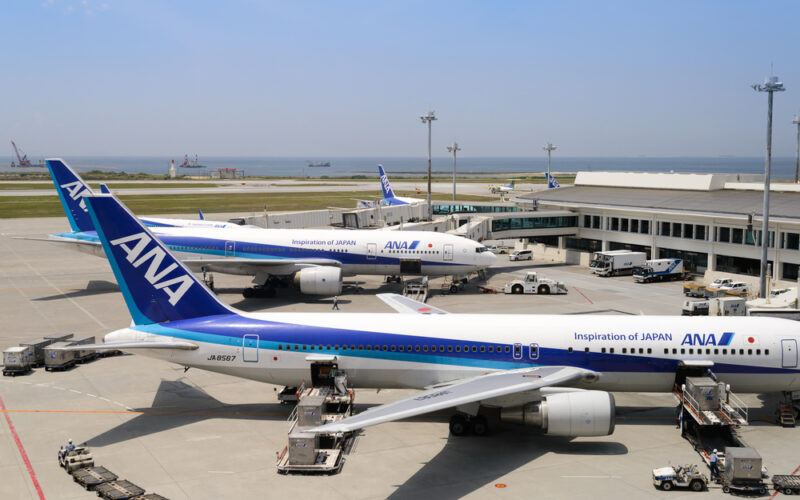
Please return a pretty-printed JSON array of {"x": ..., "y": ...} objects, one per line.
[
  {"x": 717, "y": 351},
  {"x": 396, "y": 348}
]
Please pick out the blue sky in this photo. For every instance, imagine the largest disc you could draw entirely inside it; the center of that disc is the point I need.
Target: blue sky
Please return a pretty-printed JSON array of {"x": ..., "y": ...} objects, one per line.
[{"x": 329, "y": 79}]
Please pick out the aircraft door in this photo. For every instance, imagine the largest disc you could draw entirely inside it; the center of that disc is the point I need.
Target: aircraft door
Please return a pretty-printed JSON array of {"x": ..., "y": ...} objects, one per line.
[
  {"x": 517, "y": 351},
  {"x": 372, "y": 251},
  {"x": 448, "y": 252},
  {"x": 789, "y": 359},
  {"x": 230, "y": 247},
  {"x": 250, "y": 348},
  {"x": 533, "y": 351}
]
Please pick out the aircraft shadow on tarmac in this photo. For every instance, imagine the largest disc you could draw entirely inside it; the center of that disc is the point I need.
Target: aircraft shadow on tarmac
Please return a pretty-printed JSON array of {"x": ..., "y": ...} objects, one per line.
[
  {"x": 466, "y": 464},
  {"x": 177, "y": 404},
  {"x": 94, "y": 287}
]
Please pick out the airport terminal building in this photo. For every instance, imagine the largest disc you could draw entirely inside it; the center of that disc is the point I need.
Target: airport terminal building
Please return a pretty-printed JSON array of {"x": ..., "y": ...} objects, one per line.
[{"x": 712, "y": 221}]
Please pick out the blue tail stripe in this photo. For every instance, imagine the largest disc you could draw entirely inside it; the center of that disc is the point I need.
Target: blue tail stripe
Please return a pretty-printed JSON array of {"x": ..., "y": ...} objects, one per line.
[
  {"x": 71, "y": 190},
  {"x": 156, "y": 286}
]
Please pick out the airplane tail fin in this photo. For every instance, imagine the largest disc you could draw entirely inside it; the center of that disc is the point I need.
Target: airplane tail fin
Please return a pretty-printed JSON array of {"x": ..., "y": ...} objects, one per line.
[
  {"x": 71, "y": 191},
  {"x": 104, "y": 189},
  {"x": 511, "y": 183},
  {"x": 552, "y": 182},
  {"x": 200, "y": 213},
  {"x": 157, "y": 287},
  {"x": 385, "y": 186}
]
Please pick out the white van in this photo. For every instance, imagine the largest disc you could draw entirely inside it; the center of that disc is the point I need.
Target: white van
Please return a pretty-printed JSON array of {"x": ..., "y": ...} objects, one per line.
[{"x": 521, "y": 255}]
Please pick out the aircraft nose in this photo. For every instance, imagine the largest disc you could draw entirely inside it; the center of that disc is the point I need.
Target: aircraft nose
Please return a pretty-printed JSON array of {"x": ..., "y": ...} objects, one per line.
[{"x": 488, "y": 258}]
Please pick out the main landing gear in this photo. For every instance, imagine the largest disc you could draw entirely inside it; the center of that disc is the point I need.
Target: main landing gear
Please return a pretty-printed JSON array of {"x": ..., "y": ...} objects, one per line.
[
  {"x": 258, "y": 291},
  {"x": 461, "y": 425}
]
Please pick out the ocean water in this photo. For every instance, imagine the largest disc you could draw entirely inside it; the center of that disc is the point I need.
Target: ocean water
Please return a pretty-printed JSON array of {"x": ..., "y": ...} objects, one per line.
[{"x": 782, "y": 168}]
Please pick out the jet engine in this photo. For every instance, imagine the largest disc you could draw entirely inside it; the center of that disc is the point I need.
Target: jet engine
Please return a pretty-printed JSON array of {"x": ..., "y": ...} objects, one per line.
[
  {"x": 323, "y": 280},
  {"x": 573, "y": 414}
]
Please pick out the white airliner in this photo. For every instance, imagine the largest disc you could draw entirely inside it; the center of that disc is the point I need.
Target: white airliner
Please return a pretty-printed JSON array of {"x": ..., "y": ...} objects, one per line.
[
  {"x": 547, "y": 371},
  {"x": 314, "y": 260}
]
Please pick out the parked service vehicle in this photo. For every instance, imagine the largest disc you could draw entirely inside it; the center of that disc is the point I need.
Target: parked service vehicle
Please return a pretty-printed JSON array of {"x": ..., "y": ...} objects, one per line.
[
  {"x": 76, "y": 459},
  {"x": 720, "y": 306},
  {"x": 695, "y": 308},
  {"x": 497, "y": 249},
  {"x": 616, "y": 262},
  {"x": 521, "y": 255},
  {"x": 659, "y": 270},
  {"x": 737, "y": 287},
  {"x": 17, "y": 360},
  {"x": 533, "y": 284},
  {"x": 682, "y": 476}
]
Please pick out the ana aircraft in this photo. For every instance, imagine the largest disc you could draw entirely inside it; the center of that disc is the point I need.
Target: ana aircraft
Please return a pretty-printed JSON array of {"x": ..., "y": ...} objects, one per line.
[
  {"x": 388, "y": 194},
  {"x": 553, "y": 374},
  {"x": 314, "y": 260},
  {"x": 502, "y": 189}
]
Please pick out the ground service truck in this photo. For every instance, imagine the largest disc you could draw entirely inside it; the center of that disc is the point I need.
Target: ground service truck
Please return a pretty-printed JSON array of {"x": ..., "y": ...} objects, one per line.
[
  {"x": 659, "y": 270},
  {"x": 616, "y": 262}
]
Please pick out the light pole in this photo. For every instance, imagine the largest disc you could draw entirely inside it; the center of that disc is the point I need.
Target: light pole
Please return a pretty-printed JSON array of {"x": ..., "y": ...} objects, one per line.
[
  {"x": 453, "y": 148},
  {"x": 770, "y": 86},
  {"x": 429, "y": 118},
  {"x": 796, "y": 121},
  {"x": 549, "y": 148}
]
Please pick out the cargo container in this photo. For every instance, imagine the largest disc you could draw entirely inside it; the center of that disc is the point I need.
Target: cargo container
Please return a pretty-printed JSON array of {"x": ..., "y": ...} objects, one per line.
[
  {"x": 38, "y": 346},
  {"x": 59, "y": 337},
  {"x": 84, "y": 355},
  {"x": 58, "y": 358},
  {"x": 17, "y": 360}
]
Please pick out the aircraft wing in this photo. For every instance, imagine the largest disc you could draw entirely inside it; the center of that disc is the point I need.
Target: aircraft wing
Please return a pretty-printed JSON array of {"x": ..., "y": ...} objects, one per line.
[
  {"x": 175, "y": 344},
  {"x": 460, "y": 392},
  {"x": 243, "y": 265},
  {"x": 405, "y": 305}
]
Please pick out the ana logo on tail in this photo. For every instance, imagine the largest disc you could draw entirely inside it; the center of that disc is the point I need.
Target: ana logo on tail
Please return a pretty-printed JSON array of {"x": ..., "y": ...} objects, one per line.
[
  {"x": 153, "y": 275},
  {"x": 75, "y": 190}
]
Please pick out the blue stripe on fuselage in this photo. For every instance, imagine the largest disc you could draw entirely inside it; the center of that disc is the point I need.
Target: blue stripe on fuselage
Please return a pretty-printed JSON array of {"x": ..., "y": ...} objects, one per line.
[{"x": 230, "y": 329}]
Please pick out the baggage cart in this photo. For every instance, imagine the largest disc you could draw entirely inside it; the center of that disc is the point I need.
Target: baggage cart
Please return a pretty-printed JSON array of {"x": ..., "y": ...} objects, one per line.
[
  {"x": 84, "y": 355},
  {"x": 788, "y": 485},
  {"x": 38, "y": 346},
  {"x": 118, "y": 490},
  {"x": 17, "y": 360},
  {"x": 58, "y": 358},
  {"x": 91, "y": 477},
  {"x": 150, "y": 496},
  {"x": 741, "y": 472}
]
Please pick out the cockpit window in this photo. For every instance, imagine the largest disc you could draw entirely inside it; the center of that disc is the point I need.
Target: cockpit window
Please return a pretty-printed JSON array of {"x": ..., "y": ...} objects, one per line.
[{"x": 481, "y": 249}]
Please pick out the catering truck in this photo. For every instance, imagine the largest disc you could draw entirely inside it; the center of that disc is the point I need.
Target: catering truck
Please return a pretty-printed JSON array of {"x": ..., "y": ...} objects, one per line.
[
  {"x": 659, "y": 270},
  {"x": 616, "y": 262}
]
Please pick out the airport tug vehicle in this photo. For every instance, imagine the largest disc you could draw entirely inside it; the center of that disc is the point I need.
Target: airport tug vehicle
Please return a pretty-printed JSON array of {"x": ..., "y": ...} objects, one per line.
[
  {"x": 534, "y": 284},
  {"x": 681, "y": 476}
]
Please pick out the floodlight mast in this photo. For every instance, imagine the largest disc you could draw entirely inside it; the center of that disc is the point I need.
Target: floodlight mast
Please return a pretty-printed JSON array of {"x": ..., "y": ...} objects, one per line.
[
  {"x": 796, "y": 121},
  {"x": 549, "y": 148},
  {"x": 454, "y": 148},
  {"x": 428, "y": 118},
  {"x": 770, "y": 86}
]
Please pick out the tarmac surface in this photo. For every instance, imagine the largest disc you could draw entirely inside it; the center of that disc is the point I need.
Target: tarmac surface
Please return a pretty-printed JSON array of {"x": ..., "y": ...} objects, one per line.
[{"x": 200, "y": 435}]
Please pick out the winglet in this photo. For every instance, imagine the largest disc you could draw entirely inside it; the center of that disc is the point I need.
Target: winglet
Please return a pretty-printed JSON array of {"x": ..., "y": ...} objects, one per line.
[
  {"x": 71, "y": 190},
  {"x": 405, "y": 305}
]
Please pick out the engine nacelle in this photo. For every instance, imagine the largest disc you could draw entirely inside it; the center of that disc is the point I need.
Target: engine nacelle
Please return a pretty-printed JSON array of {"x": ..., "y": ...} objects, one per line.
[
  {"x": 323, "y": 280},
  {"x": 573, "y": 414}
]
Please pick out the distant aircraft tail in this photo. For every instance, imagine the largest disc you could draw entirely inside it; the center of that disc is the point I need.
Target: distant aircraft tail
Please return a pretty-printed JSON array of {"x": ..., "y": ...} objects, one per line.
[
  {"x": 200, "y": 213},
  {"x": 388, "y": 194},
  {"x": 104, "y": 189},
  {"x": 157, "y": 287},
  {"x": 511, "y": 183},
  {"x": 552, "y": 182},
  {"x": 71, "y": 190}
]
